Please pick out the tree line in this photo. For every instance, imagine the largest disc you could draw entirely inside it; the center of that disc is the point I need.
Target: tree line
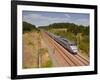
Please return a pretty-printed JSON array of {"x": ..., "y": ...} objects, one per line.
[{"x": 71, "y": 27}]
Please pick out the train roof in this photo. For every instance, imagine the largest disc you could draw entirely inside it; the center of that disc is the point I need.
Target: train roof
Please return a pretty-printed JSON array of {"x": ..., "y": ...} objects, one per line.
[
  {"x": 64, "y": 39},
  {"x": 70, "y": 42}
]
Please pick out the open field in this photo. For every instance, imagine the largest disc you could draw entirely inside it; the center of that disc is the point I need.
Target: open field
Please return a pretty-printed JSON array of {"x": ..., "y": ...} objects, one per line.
[{"x": 35, "y": 53}]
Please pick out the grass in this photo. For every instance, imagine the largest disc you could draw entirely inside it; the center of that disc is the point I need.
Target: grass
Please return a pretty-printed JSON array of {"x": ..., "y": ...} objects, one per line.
[
  {"x": 30, "y": 50},
  {"x": 32, "y": 47},
  {"x": 47, "y": 64}
]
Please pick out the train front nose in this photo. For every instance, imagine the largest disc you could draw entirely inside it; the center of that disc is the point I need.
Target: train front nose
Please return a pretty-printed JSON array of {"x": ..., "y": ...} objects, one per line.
[{"x": 74, "y": 49}]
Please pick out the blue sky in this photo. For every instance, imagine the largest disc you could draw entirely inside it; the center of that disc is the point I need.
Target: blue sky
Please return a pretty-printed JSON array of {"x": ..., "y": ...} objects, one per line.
[{"x": 39, "y": 18}]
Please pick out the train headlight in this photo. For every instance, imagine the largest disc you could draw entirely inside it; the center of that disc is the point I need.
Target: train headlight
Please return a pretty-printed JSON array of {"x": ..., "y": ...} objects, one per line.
[{"x": 74, "y": 48}]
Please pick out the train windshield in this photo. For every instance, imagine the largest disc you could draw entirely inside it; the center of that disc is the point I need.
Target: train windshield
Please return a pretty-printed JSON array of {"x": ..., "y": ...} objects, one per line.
[{"x": 73, "y": 47}]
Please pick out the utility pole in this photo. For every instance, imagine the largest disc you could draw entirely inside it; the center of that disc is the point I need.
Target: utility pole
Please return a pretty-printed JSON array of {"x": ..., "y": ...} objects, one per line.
[{"x": 39, "y": 52}]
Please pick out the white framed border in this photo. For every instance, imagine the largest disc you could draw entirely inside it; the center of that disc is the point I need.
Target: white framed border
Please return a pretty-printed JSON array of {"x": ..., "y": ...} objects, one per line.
[{"x": 21, "y": 71}]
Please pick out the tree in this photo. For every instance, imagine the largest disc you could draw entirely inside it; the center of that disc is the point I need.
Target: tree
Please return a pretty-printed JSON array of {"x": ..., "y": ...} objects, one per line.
[{"x": 28, "y": 27}]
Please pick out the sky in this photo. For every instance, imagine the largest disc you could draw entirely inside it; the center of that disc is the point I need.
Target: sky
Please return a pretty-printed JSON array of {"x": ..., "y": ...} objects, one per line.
[{"x": 39, "y": 18}]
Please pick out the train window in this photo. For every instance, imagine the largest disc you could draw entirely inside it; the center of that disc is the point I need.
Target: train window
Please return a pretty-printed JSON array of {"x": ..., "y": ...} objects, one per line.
[{"x": 64, "y": 39}]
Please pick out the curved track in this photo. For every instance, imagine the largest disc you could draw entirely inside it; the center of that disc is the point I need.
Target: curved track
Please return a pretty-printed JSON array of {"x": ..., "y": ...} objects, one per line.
[{"x": 65, "y": 57}]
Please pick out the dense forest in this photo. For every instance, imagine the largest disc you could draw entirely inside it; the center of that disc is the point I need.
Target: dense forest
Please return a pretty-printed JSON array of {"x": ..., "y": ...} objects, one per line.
[{"x": 77, "y": 33}]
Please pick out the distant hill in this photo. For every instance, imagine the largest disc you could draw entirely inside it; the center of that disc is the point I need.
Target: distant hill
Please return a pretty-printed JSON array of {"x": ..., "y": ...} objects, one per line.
[
  {"x": 60, "y": 25},
  {"x": 28, "y": 27},
  {"x": 71, "y": 27}
]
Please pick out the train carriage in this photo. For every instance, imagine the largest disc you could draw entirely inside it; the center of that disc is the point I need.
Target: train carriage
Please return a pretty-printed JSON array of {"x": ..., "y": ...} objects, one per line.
[{"x": 68, "y": 45}]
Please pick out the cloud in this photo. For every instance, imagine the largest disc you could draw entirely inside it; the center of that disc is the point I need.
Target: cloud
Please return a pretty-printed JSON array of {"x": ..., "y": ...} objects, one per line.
[
  {"x": 67, "y": 15},
  {"x": 39, "y": 19}
]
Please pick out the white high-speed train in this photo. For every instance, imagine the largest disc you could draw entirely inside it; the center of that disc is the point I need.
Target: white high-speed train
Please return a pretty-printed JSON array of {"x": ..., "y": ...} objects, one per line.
[{"x": 68, "y": 45}]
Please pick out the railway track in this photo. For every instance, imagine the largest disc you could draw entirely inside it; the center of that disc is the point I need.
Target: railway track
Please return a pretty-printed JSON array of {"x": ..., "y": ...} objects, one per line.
[
  {"x": 85, "y": 61},
  {"x": 71, "y": 60},
  {"x": 61, "y": 61}
]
